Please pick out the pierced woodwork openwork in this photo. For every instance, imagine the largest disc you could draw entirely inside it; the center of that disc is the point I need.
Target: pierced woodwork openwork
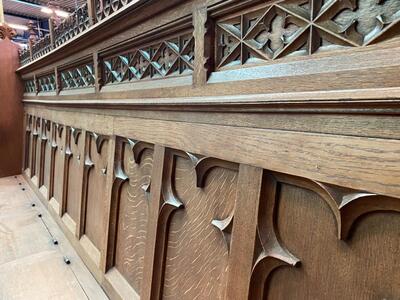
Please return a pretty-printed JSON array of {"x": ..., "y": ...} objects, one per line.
[
  {"x": 47, "y": 83},
  {"x": 41, "y": 47},
  {"x": 78, "y": 77},
  {"x": 303, "y": 27},
  {"x": 171, "y": 57},
  {"x": 76, "y": 23},
  {"x": 25, "y": 56},
  {"x": 105, "y": 8},
  {"x": 29, "y": 85}
]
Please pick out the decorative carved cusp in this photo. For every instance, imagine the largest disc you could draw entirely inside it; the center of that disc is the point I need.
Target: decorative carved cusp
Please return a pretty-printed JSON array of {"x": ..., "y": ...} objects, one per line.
[
  {"x": 6, "y": 32},
  {"x": 138, "y": 148},
  {"x": 347, "y": 205},
  {"x": 270, "y": 254},
  {"x": 99, "y": 140}
]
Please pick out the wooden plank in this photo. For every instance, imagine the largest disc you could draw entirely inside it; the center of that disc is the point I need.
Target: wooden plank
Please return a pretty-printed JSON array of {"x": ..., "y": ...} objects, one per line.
[
  {"x": 244, "y": 232},
  {"x": 151, "y": 275}
]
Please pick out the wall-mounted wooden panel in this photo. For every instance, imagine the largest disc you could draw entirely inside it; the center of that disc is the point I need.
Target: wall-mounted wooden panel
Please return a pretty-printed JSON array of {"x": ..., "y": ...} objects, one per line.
[
  {"x": 362, "y": 267},
  {"x": 74, "y": 176},
  {"x": 197, "y": 251},
  {"x": 11, "y": 109},
  {"x": 96, "y": 169},
  {"x": 133, "y": 217}
]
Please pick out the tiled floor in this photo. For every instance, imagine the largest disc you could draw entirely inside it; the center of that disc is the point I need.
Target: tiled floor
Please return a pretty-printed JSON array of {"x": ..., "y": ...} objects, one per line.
[{"x": 31, "y": 266}]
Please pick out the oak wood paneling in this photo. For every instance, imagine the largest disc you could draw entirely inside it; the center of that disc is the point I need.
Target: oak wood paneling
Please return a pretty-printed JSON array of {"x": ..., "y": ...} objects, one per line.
[
  {"x": 133, "y": 217},
  {"x": 96, "y": 160},
  {"x": 362, "y": 267},
  {"x": 195, "y": 237}
]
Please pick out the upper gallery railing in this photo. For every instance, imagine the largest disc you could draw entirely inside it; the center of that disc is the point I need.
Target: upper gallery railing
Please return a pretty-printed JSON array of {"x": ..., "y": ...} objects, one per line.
[{"x": 78, "y": 21}]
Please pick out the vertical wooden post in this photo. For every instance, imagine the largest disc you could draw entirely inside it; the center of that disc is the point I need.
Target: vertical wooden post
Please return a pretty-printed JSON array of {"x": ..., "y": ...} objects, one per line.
[
  {"x": 97, "y": 71},
  {"x": 91, "y": 5},
  {"x": 112, "y": 145},
  {"x": 51, "y": 32},
  {"x": 148, "y": 283},
  {"x": 244, "y": 232},
  {"x": 204, "y": 46},
  {"x": 84, "y": 190},
  {"x": 58, "y": 81}
]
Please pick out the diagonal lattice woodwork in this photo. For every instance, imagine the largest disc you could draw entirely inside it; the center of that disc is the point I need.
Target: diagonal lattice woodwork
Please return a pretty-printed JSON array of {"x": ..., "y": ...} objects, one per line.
[
  {"x": 76, "y": 23},
  {"x": 47, "y": 83},
  {"x": 167, "y": 58},
  {"x": 29, "y": 85},
  {"x": 78, "y": 77},
  {"x": 303, "y": 27}
]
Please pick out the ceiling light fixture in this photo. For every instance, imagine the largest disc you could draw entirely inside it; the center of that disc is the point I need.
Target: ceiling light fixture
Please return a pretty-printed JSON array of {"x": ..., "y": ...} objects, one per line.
[
  {"x": 62, "y": 14},
  {"x": 18, "y": 26},
  {"x": 46, "y": 10}
]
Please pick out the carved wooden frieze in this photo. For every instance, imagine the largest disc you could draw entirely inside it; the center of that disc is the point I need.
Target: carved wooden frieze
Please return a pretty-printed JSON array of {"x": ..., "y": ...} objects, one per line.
[
  {"x": 77, "y": 77},
  {"x": 174, "y": 56},
  {"x": 302, "y": 27}
]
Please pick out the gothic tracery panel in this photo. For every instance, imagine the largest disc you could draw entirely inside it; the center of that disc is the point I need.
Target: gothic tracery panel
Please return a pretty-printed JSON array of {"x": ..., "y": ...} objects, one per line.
[
  {"x": 78, "y": 77},
  {"x": 174, "y": 56},
  {"x": 303, "y": 27}
]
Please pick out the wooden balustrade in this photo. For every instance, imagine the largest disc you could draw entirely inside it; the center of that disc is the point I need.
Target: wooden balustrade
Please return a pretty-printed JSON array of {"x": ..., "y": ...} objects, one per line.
[{"x": 228, "y": 150}]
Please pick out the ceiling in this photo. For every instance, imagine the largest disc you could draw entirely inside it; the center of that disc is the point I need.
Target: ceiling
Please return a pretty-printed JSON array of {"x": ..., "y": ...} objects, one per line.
[
  {"x": 32, "y": 9},
  {"x": 20, "y": 12}
]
